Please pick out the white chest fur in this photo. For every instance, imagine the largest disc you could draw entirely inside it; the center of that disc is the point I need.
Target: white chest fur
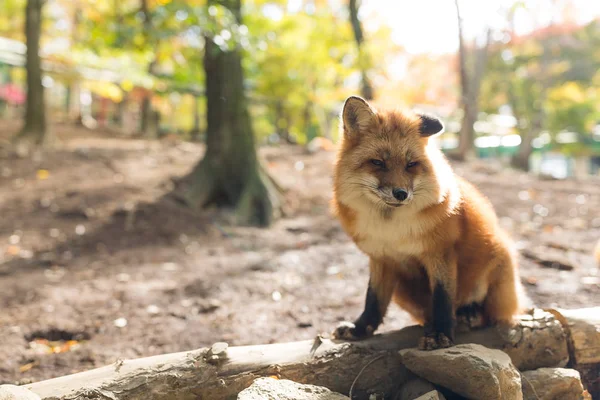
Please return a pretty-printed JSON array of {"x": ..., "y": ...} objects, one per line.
[{"x": 397, "y": 236}]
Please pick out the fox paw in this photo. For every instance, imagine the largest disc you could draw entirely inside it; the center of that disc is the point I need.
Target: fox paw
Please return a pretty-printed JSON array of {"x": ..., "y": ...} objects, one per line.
[
  {"x": 470, "y": 317},
  {"x": 349, "y": 331},
  {"x": 435, "y": 341}
]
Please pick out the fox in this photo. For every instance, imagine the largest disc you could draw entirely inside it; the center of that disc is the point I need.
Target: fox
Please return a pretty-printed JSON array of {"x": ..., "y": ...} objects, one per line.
[{"x": 433, "y": 240}]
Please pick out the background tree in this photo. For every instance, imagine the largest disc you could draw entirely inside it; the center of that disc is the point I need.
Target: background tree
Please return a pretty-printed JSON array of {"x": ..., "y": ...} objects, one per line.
[
  {"x": 295, "y": 67},
  {"x": 542, "y": 78},
  {"x": 230, "y": 173},
  {"x": 363, "y": 55},
  {"x": 34, "y": 129},
  {"x": 471, "y": 74},
  {"x": 148, "y": 117}
]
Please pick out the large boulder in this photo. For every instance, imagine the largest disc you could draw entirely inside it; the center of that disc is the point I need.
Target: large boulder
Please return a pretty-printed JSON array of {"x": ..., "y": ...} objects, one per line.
[
  {"x": 470, "y": 370},
  {"x": 417, "y": 388},
  {"x": 552, "y": 384},
  {"x": 283, "y": 389},
  {"x": 12, "y": 392}
]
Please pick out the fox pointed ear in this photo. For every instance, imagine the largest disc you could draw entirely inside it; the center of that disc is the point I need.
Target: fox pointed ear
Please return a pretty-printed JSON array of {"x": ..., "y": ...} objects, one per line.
[
  {"x": 357, "y": 115},
  {"x": 430, "y": 125}
]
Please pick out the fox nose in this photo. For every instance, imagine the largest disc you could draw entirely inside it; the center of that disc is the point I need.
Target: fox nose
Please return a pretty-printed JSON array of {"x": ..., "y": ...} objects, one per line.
[{"x": 400, "y": 194}]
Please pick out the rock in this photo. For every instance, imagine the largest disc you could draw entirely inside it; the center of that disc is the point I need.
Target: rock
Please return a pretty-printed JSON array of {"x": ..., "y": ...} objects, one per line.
[
  {"x": 12, "y": 392},
  {"x": 417, "y": 388},
  {"x": 470, "y": 370},
  {"x": 552, "y": 384},
  {"x": 218, "y": 348},
  {"x": 433, "y": 395},
  {"x": 283, "y": 389}
]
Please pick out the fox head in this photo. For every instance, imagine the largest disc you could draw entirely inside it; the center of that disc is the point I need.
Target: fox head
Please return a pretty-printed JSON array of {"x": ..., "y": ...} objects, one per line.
[{"x": 385, "y": 159}]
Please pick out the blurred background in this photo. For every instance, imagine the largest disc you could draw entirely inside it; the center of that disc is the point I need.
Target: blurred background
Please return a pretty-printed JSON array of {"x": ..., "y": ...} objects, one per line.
[{"x": 142, "y": 142}]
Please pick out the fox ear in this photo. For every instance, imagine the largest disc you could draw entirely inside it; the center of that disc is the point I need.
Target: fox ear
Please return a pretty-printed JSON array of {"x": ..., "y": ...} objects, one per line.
[
  {"x": 430, "y": 125},
  {"x": 356, "y": 115}
]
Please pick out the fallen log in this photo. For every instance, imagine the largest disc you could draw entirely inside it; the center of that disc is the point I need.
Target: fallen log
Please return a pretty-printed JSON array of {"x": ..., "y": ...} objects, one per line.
[
  {"x": 582, "y": 327},
  {"x": 369, "y": 366}
]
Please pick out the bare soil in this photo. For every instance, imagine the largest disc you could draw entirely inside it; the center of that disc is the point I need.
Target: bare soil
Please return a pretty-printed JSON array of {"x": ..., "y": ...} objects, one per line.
[{"x": 98, "y": 265}]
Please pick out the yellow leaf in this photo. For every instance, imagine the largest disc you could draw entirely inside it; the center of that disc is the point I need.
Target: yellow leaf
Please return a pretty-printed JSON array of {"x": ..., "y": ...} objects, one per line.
[
  {"x": 127, "y": 85},
  {"x": 13, "y": 250},
  {"x": 28, "y": 366},
  {"x": 42, "y": 174}
]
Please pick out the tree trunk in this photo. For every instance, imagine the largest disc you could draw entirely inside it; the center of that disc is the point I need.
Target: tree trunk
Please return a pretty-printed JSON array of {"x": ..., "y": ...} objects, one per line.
[
  {"x": 34, "y": 129},
  {"x": 307, "y": 122},
  {"x": 147, "y": 124},
  {"x": 74, "y": 106},
  {"x": 195, "y": 133},
  {"x": 470, "y": 84},
  {"x": 120, "y": 36},
  {"x": 366, "y": 86},
  {"x": 120, "y": 114},
  {"x": 230, "y": 173},
  {"x": 282, "y": 123},
  {"x": 520, "y": 160},
  {"x": 68, "y": 97},
  {"x": 540, "y": 340},
  {"x": 466, "y": 144}
]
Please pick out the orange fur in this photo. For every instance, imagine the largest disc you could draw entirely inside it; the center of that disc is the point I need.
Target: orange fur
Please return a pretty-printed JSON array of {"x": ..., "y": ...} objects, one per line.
[{"x": 446, "y": 232}]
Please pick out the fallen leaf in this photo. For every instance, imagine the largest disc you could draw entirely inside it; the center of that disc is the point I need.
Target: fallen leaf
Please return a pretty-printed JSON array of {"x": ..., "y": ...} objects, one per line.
[
  {"x": 42, "y": 174},
  {"x": 28, "y": 366},
  {"x": 13, "y": 250},
  {"x": 531, "y": 280}
]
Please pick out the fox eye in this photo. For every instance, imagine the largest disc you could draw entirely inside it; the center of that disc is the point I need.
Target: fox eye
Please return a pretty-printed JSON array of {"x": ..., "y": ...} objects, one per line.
[
  {"x": 412, "y": 164},
  {"x": 378, "y": 163}
]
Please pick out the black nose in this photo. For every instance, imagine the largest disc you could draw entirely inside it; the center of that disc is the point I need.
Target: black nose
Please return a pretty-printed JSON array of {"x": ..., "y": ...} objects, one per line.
[{"x": 400, "y": 194}]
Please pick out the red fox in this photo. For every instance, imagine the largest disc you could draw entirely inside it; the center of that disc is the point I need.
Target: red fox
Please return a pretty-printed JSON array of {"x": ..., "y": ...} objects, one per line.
[{"x": 433, "y": 239}]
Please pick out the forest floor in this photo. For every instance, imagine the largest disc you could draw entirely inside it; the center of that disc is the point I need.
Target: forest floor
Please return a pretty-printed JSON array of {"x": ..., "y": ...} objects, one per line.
[{"x": 97, "y": 265}]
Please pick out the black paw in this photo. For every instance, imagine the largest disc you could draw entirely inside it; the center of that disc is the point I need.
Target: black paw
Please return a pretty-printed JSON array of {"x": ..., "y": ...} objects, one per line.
[
  {"x": 433, "y": 341},
  {"x": 470, "y": 317},
  {"x": 349, "y": 331}
]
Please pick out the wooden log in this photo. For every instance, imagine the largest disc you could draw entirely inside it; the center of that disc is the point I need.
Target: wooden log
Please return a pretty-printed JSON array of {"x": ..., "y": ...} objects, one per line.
[
  {"x": 582, "y": 327},
  {"x": 369, "y": 366}
]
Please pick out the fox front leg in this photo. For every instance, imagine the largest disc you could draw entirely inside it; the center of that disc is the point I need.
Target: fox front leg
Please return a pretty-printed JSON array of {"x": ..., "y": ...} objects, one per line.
[
  {"x": 377, "y": 300},
  {"x": 439, "y": 328}
]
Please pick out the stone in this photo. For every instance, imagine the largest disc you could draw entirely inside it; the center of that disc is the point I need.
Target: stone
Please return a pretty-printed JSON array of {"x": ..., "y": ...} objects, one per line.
[
  {"x": 417, "y": 388},
  {"x": 12, "y": 392},
  {"x": 470, "y": 370},
  {"x": 552, "y": 384},
  {"x": 218, "y": 348},
  {"x": 283, "y": 389},
  {"x": 433, "y": 395}
]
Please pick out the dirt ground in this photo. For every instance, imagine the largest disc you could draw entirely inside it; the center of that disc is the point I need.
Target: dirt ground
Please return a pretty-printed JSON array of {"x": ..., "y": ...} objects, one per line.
[{"x": 96, "y": 265}]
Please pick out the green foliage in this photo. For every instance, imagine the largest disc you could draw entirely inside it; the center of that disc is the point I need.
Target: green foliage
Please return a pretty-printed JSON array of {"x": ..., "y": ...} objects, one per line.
[
  {"x": 548, "y": 80},
  {"x": 297, "y": 61},
  {"x": 573, "y": 107}
]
